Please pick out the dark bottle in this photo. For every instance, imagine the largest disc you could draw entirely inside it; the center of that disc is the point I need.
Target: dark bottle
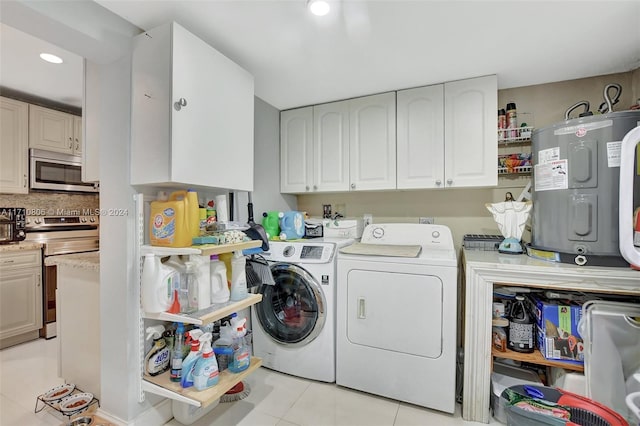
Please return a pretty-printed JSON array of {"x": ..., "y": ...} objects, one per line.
[{"x": 521, "y": 328}]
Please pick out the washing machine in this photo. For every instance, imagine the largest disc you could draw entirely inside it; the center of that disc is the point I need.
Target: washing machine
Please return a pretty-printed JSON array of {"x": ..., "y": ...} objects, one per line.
[
  {"x": 294, "y": 325},
  {"x": 396, "y": 314}
]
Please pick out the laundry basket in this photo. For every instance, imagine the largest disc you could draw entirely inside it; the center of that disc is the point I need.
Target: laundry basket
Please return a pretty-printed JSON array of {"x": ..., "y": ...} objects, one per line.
[{"x": 568, "y": 408}]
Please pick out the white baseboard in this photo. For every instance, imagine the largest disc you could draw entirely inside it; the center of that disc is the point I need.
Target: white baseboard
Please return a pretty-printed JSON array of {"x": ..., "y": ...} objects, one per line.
[{"x": 159, "y": 414}]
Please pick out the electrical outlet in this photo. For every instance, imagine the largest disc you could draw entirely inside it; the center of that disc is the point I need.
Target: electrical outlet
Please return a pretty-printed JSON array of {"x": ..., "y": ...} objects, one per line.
[
  {"x": 367, "y": 219},
  {"x": 427, "y": 220},
  {"x": 326, "y": 211}
]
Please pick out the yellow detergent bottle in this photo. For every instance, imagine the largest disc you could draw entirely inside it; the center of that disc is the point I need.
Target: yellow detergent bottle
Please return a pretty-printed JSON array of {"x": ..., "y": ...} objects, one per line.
[{"x": 170, "y": 221}]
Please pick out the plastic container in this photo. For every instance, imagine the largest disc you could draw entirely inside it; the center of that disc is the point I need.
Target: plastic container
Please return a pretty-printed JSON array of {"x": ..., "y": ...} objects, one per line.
[
  {"x": 504, "y": 376},
  {"x": 176, "y": 358},
  {"x": 291, "y": 225},
  {"x": 521, "y": 328},
  {"x": 157, "y": 359},
  {"x": 202, "y": 266},
  {"x": 170, "y": 221},
  {"x": 271, "y": 224},
  {"x": 205, "y": 372},
  {"x": 238, "y": 277},
  {"x": 189, "y": 362},
  {"x": 218, "y": 280},
  {"x": 158, "y": 283}
]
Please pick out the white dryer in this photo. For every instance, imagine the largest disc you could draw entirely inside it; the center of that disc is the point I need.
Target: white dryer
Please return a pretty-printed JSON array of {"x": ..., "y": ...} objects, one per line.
[
  {"x": 396, "y": 314},
  {"x": 294, "y": 325}
]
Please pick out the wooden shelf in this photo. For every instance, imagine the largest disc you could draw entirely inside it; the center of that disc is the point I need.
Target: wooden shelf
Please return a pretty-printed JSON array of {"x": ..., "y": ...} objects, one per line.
[
  {"x": 536, "y": 358},
  {"x": 210, "y": 314},
  {"x": 193, "y": 396},
  {"x": 204, "y": 249}
]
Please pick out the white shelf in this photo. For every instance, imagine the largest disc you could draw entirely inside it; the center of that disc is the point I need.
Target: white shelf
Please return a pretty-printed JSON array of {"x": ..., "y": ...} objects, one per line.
[
  {"x": 514, "y": 170},
  {"x": 204, "y": 249},
  {"x": 210, "y": 314},
  {"x": 518, "y": 135}
]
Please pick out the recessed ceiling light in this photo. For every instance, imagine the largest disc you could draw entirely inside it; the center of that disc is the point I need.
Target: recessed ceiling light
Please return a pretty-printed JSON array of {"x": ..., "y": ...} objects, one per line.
[
  {"x": 318, "y": 7},
  {"x": 51, "y": 58}
]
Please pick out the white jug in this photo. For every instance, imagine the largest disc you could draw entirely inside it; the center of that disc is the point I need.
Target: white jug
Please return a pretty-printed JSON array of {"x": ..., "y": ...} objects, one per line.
[
  {"x": 157, "y": 284},
  {"x": 219, "y": 285}
]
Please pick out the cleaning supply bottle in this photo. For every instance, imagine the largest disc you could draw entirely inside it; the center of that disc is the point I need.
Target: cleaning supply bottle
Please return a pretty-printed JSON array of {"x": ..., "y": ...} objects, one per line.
[
  {"x": 205, "y": 372},
  {"x": 203, "y": 272},
  {"x": 521, "y": 327},
  {"x": 238, "y": 277},
  {"x": 157, "y": 285},
  {"x": 157, "y": 359},
  {"x": 180, "y": 292},
  {"x": 219, "y": 285},
  {"x": 169, "y": 223},
  {"x": 193, "y": 211},
  {"x": 226, "y": 259},
  {"x": 193, "y": 340},
  {"x": 191, "y": 285},
  {"x": 241, "y": 356},
  {"x": 176, "y": 359}
]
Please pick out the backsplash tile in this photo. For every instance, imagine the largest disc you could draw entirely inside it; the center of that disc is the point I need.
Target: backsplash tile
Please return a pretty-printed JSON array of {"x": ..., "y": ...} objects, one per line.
[{"x": 52, "y": 203}]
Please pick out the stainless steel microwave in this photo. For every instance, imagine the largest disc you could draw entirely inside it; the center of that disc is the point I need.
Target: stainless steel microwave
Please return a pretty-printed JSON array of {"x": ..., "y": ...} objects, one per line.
[{"x": 57, "y": 171}]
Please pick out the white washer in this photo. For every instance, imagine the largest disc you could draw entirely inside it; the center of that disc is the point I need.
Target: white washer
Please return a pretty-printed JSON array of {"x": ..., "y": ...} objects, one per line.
[
  {"x": 396, "y": 316},
  {"x": 294, "y": 325}
]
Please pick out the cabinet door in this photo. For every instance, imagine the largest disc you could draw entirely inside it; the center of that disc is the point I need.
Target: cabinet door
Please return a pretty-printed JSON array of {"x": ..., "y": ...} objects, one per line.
[
  {"x": 51, "y": 130},
  {"x": 372, "y": 142},
  {"x": 21, "y": 301},
  {"x": 77, "y": 135},
  {"x": 296, "y": 150},
  {"x": 420, "y": 144},
  {"x": 471, "y": 142},
  {"x": 14, "y": 149},
  {"x": 331, "y": 147},
  {"x": 212, "y": 135}
]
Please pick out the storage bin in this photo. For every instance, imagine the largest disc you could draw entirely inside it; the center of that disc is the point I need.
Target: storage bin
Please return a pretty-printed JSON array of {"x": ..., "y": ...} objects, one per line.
[{"x": 502, "y": 377}]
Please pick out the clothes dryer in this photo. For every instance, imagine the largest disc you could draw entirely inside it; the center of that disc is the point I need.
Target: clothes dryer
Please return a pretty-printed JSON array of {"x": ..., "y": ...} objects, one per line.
[
  {"x": 396, "y": 314},
  {"x": 294, "y": 325}
]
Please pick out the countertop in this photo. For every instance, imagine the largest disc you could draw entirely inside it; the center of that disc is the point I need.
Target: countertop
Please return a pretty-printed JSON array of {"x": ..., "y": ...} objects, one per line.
[
  {"x": 30, "y": 245},
  {"x": 89, "y": 260}
]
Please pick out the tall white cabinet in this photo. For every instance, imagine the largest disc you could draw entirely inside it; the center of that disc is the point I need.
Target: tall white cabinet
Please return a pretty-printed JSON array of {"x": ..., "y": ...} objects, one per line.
[
  {"x": 331, "y": 146},
  {"x": 192, "y": 113},
  {"x": 470, "y": 137},
  {"x": 14, "y": 146}
]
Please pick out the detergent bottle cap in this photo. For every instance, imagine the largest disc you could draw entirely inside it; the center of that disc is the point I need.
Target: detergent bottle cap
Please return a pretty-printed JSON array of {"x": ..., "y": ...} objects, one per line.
[{"x": 155, "y": 331}]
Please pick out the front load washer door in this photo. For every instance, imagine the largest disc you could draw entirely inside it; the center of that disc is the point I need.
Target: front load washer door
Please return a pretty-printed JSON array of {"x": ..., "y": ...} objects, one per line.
[{"x": 293, "y": 311}]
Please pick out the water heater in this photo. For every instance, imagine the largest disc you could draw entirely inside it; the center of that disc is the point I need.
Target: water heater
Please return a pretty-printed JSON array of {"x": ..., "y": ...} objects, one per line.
[{"x": 576, "y": 189}]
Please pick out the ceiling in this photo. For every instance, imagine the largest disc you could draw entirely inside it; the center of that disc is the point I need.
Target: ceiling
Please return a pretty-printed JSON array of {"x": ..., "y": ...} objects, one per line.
[{"x": 365, "y": 47}]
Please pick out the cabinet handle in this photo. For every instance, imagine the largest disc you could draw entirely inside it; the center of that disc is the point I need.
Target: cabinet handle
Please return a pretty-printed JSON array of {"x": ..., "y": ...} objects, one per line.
[
  {"x": 8, "y": 261},
  {"x": 77, "y": 144},
  {"x": 438, "y": 182},
  {"x": 179, "y": 104},
  {"x": 362, "y": 312},
  {"x": 449, "y": 181},
  {"x": 353, "y": 186},
  {"x": 25, "y": 180},
  {"x": 306, "y": 187},
  {"x": 39, "y": 280},
  {"x": 315, "y": 187},
  {"x": 70, "y": 143}
]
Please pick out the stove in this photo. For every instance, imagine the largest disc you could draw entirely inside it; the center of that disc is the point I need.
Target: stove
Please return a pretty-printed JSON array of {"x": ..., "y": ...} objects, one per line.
[{"x": 59, "y": 235}]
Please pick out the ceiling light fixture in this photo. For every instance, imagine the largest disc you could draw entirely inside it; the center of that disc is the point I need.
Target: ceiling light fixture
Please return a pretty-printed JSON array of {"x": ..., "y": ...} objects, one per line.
[
  {"x": 318, "y": 7},
  {"x": 51, "y": 58}
]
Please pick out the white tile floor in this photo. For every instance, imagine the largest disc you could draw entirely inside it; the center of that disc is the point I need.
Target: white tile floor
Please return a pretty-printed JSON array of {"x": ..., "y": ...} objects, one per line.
[{"x": 275, "y": 399}]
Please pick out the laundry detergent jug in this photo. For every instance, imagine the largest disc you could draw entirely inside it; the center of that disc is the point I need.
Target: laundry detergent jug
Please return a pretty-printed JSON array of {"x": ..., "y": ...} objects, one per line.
[{"x": 170, "y": 221}]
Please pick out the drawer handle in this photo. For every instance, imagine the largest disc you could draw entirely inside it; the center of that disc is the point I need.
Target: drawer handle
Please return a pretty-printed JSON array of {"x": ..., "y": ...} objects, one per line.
[
  {"x": 362, "y": 313},
  {"x": 8, "y": 261}
]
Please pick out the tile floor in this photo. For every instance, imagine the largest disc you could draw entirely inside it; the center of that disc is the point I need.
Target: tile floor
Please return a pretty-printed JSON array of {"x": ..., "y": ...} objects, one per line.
[{"x": 275, "y": 399}]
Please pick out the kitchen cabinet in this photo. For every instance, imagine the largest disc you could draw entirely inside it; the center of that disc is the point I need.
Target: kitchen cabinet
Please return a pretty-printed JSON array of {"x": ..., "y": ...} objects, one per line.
[
  {"x": 314, "y": 148},
  {"x": 20, "y": 296},
  {"x": 53, "y": 130},
  {"x": 192, "y": 113},
  {"x": 446, "y": 135},
  {"x": 161, "y": 384},
  {"x": 372, "y": 142},
  {"x": 420, "y": 144},
  {"x": 470, "y": 137},
  {"x": 14, "y": 146},
  {"x": 483, "y": 270}
]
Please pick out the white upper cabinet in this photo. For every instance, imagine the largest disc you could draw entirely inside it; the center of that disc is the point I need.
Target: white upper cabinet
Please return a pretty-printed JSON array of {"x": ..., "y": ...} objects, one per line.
[
  {"x": 372, "y": 142},
  {"x": 14, "y": 146},
  {"x": 331, "y": 147},
  {"x": 471, "y": 142},
  {"x": 420, "y": 144},
  {"x": 192, "y": 113},
  {"x": 53, "y": 130},
  {"x": 296, "y": 150}
]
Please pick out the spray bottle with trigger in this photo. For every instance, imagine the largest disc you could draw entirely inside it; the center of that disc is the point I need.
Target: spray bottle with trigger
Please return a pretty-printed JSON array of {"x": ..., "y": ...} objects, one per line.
[
  {"x": 157, "y": 359},
  {"x": 193, "y": 340}
]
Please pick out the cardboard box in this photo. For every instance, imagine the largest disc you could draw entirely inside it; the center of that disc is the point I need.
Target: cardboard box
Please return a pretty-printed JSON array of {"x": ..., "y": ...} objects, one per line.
[{"x": 557, "y": 324}]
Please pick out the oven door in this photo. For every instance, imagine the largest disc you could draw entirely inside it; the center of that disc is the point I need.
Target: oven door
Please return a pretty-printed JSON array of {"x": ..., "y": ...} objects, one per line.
[{"x": 56, "y": 171}]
